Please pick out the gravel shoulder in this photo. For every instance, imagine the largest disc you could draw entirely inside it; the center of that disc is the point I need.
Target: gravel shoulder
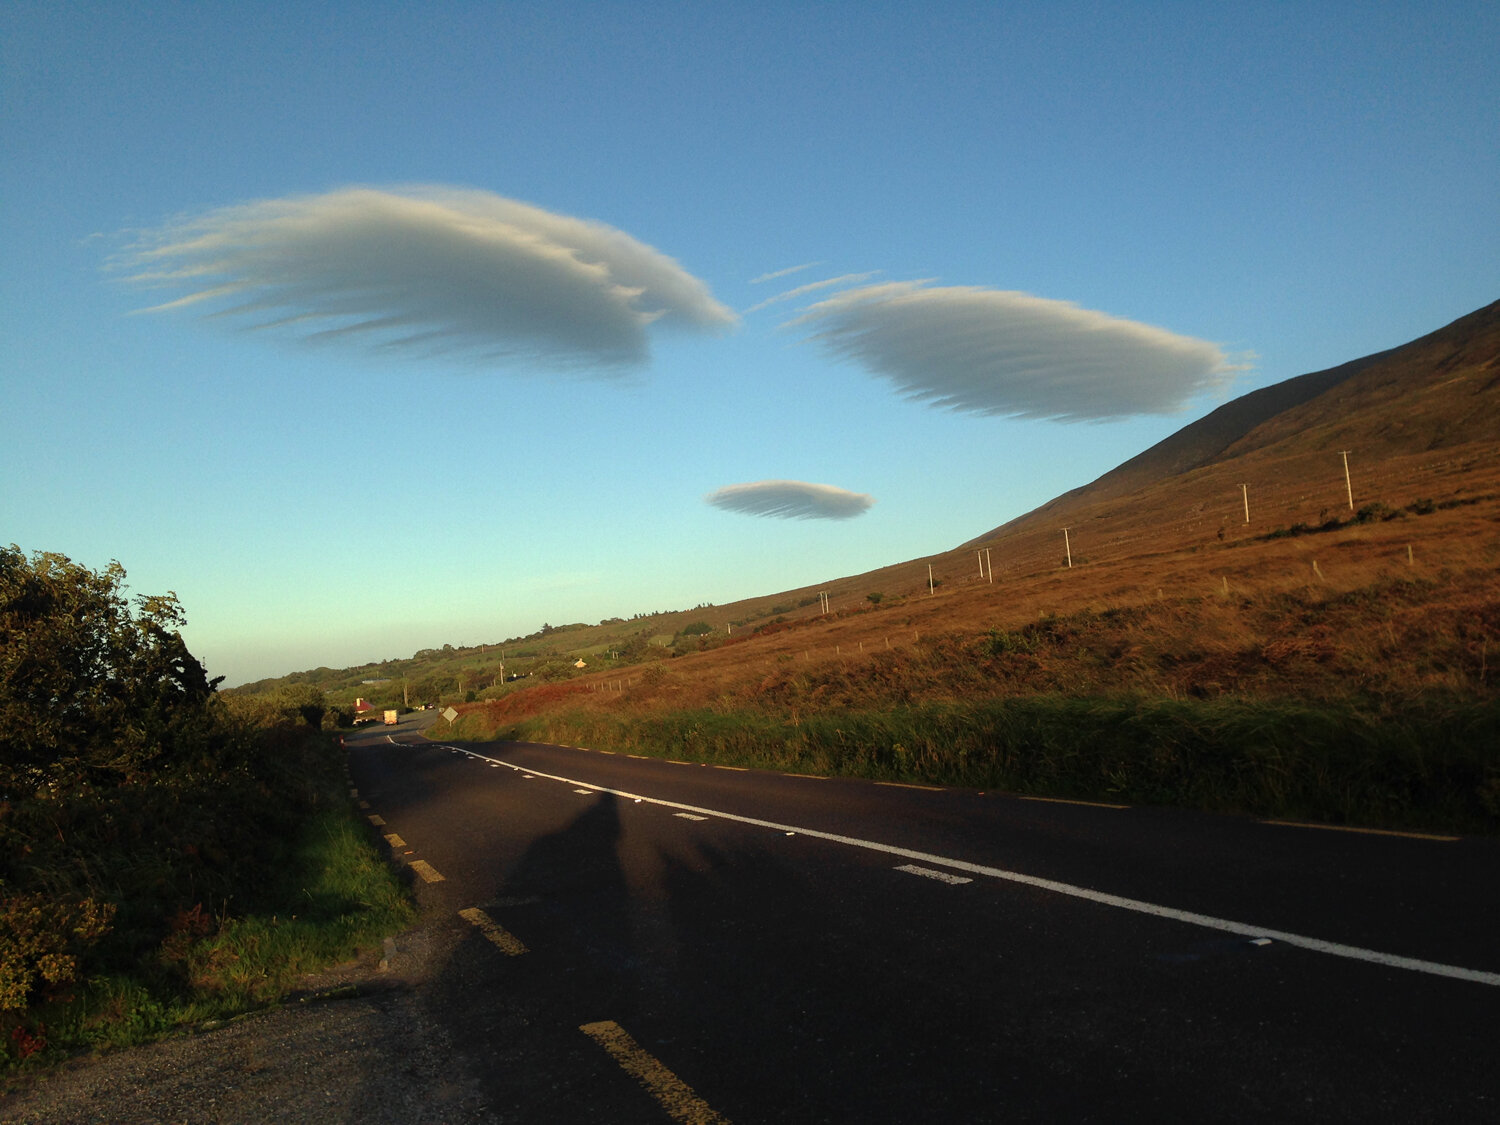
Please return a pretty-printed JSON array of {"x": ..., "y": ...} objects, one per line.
[{"x": 354, "y": 1044}]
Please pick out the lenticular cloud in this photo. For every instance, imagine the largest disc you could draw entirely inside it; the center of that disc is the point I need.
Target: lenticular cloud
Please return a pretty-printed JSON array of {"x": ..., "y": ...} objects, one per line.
[
  {"x": 984, "y": 351},
  {"x": 791, "y": 500},
  {"x": 430, "y": 271}
]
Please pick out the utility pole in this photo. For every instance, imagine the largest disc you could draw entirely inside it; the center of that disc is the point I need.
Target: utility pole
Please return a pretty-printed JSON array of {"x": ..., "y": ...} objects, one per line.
[
  {"x": 989, "y": 565},
  {"x": 1245, "y": 491},
  {"x": 1349, "y": 487},
  {"x": 1068, "y": 547},
  {"x": 931, "y": 589}
]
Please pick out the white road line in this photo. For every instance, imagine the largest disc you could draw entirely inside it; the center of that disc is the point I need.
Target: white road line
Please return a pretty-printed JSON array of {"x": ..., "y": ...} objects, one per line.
[
  {"x": 1363, "y": 831},
  {"x": 690, "y": 816},
  {"x": 586, "y": 792},
  {"x": 1070, "y": 801},
  {"x": 426, "y": 870},
  {"x": 929, "y": 873},
  {"x": 1192, "y": 918},
  {"x": 394, "y": 840},
  {"x": 377, "y": 821}
]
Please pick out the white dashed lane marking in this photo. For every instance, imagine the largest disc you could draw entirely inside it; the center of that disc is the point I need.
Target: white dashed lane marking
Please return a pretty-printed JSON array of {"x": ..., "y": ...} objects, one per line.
[{"x": 929, "y": 873}]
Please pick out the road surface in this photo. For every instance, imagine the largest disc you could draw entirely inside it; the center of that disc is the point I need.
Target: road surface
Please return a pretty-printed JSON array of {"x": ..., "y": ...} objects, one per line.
[{"x": 642, "y": 940}]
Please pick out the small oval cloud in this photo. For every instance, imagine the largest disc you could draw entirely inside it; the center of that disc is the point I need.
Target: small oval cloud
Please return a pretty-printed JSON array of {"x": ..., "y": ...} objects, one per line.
[
  {"x": 429, "y": 271},
  {"x": 791, "y": 500},
  {"x": 985, "y": 351}
]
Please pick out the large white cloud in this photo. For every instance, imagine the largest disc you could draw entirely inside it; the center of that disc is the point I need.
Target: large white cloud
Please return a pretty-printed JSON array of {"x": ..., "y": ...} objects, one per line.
[
  {"x": 429, "y": 271},
  {"x": 791, "y": 500},
  {"x": 985, "y": 351}
]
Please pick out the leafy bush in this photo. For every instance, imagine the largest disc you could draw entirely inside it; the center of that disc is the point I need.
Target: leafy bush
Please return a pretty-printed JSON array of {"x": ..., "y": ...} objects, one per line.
[{"x": 137, "y": 806}]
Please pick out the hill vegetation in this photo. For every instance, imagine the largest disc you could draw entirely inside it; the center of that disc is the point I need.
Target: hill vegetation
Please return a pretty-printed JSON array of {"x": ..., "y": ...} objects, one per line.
[{"x": 1229, "y": 619}]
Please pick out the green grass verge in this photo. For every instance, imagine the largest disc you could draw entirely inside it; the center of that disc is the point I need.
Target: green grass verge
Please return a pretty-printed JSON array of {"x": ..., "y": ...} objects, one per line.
[
  {"x": 1420, "y": 765},
  {"x": 334, "y": 896}
]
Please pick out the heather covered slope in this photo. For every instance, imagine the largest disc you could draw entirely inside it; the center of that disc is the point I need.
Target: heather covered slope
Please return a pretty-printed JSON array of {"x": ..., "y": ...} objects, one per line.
[{"x": 1437, "y": 392}]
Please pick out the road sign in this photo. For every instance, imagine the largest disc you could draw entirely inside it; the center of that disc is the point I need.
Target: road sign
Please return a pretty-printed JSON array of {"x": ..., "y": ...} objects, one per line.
[{"x": 450, "y": 714}]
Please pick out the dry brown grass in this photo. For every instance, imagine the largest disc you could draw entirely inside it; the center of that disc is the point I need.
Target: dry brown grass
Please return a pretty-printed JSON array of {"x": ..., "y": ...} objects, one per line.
[
  {"x": 1403, "y": 606},
  {"x": 1321, "y": 659}
]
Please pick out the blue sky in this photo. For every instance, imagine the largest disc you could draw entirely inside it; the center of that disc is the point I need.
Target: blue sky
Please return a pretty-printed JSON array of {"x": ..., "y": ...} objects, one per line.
[{"x": 1040, "y": 238}]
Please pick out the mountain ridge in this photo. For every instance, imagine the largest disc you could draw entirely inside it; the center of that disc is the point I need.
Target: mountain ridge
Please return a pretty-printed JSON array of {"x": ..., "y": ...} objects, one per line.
[{"x": 1307, "y": 404}]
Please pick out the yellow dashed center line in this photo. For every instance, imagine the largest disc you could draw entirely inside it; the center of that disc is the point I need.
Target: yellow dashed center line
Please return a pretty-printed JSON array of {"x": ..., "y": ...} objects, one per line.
[
  {"x": 502, "y": 938},
  {"x": 675, "y": 1096},
  {"x": 1362, "y": 831},
  {"x": 426, "y": 870}
]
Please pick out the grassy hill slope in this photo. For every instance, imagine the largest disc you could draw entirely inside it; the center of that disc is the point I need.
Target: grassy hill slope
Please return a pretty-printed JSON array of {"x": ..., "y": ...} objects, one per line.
[{"x": 1145, "y": 602}]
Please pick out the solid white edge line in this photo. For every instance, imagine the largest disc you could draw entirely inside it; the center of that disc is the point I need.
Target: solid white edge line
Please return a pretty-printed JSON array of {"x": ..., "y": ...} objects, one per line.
[{"x": 1207, "y": 921}]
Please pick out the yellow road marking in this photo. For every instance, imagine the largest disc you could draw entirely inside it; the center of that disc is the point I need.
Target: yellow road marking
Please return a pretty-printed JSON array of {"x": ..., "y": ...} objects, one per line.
[
  {"x": 426, "y": 870},
  {"x": 502, "y": 938},
  {"x": 395, "y": 841},
  {"x": 1067, "y": 801},
  {"x": 675, "y": 1095},
  {"x": 1362, "y": 831},
  {"x": 377, "y": 821},
  {"x": 907, "y": 785}
]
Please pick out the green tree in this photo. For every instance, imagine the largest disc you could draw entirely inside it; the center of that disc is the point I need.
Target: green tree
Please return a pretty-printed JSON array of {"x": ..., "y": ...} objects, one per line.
[
  {"x": 90, "y": 689},
  {"x": 302, "y": 703},
  {"x": 100, "y": 701}
]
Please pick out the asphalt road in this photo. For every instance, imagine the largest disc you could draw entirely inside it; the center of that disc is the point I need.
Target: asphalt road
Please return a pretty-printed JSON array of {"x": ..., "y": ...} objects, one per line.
[{"x": 639, "y": 940}]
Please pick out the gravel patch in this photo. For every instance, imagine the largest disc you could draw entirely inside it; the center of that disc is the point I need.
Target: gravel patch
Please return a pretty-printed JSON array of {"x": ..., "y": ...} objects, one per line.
[{"x": 353, "y": 1045}]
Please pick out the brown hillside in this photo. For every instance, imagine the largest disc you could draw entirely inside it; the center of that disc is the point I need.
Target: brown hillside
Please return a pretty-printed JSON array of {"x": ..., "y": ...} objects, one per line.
[
  {"x": 1170, "y": 589},
  {"x": 1436, "y": 392}
]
